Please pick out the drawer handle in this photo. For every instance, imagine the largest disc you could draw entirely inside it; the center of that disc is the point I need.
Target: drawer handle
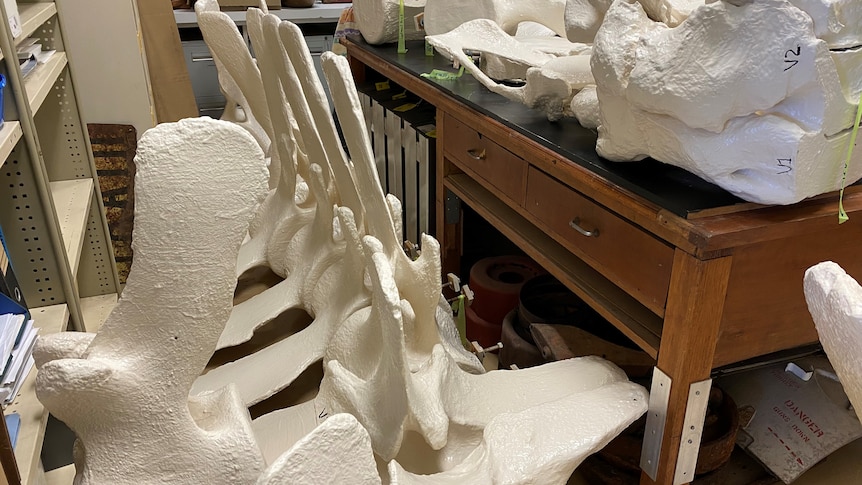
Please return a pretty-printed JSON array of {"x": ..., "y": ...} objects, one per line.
[
  {"x": 575, "y": 224},
  {"x": 202, "y": 59},
  {"x": 476, "y": 155}
]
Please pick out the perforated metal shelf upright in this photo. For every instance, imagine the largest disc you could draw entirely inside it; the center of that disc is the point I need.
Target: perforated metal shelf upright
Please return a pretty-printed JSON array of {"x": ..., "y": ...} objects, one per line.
[{"x": 51, "y": 207}]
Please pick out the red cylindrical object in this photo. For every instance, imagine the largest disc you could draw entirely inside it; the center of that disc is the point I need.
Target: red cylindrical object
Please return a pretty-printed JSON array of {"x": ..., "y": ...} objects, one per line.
[
  {"x": 480, "y": 330},
  {"x": 496, "y": 283}
]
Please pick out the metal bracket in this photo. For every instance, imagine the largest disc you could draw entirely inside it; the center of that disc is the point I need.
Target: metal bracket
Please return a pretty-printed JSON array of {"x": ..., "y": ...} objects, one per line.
[
  {"x": 695, "y": 414},
  {"x": 452, "y": 208},
  {"x": 659, "y": 396},
  {"x": 689, "y": 445}
]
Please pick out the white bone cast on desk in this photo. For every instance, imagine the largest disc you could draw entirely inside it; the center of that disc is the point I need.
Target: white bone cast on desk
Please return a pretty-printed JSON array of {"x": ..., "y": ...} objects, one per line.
[
  {"x": 696, "y": 277},
  {"x": 321, "y": 18}
]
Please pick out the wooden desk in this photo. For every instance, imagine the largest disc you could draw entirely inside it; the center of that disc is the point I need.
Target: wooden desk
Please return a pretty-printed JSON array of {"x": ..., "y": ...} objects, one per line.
[{"x": 696, "y": 277}]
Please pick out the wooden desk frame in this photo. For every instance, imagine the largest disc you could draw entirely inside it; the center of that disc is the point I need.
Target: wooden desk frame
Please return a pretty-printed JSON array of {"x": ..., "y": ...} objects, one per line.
[{"x": 735, "y": 285}]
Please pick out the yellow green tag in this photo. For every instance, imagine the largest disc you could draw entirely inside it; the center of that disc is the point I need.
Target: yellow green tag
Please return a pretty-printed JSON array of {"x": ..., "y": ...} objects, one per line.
[
  {"x": 461, "y": 319},
  {"x": 402, "y": 49},
  {"x": 443, "y": 75},
  {"x": 842, "y": 215},
  {"x": 405, "y": 107},
  {"x": 381, "y": 86},
  {"x": 400, "y": 95}
]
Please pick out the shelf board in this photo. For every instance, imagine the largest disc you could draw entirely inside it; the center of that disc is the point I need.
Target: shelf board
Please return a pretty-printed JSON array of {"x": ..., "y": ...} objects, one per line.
[
  {"x": 33, "y": 15},
  {"x": 39, "y": 82},
  {"x": 9, "y": 136},
  {"x": 636, "y": 321},
  {"x": 34, "y": 416},
  {"x": 60, "y": 476},
  {"x": 72, "y": 200},
  {"x": 50, "y": 319},
  {"x": 96, "y": 309}
]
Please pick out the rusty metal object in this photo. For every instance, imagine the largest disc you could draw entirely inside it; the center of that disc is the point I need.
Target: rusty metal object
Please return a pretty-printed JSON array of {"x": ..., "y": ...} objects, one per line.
[
  {"x": 515, "y": 349},
  {"x": 496, "y": 283},
  {"x": 558, "y": 342},
  {"x": 544, "y": 299}
]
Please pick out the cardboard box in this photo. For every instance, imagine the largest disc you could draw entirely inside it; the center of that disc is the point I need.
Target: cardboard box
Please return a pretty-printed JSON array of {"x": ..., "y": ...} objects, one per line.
[{"x": 796, "y": 422}]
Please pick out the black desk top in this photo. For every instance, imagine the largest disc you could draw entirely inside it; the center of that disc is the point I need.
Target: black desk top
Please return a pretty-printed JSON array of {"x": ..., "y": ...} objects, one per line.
[{"x": 672, "y": 188}]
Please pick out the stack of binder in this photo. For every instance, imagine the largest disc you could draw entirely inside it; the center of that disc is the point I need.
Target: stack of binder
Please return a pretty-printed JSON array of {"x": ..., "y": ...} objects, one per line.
[
  {"x": 17, "y": 338},
  {"x": 17, "y": 334}
]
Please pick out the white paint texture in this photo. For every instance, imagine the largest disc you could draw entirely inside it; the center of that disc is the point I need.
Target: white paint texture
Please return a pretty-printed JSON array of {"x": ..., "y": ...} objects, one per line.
[
  {"x": 835, "y": 21},
  {"x": 228, "y": 49},
  {"x": 442, "y": 16},
  {"x": 835, "y": 301},
  {"x": 585, "y": 107},
  {"x": 766, "y": 124},
  {"x": 285, "y": 211},
  {"x": 317, "y": 251},
  {"x": 674, "y": 12},
  {"x": 551, "y": 81},
  {"x": 127, "y": 395},
  {"x": 378, "y": 19},
  {"x": 337, "y": 452},
  {"x": 370, "y": 358},
  {"x": 510, "y": 453},
  {"x": 583, "y": 19}
]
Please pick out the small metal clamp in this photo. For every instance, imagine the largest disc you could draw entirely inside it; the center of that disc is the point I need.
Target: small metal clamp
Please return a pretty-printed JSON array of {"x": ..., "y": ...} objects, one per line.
[{"x": 480, "y": 352}]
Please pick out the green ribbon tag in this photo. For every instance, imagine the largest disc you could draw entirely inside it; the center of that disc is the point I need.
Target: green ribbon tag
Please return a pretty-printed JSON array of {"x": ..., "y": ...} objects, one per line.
[
  {"x": 842, "y": 216},
  {"x": 443, "y": 75},
  {"x": 461, "y": 319},
  {"x": 402, "y": 49}
]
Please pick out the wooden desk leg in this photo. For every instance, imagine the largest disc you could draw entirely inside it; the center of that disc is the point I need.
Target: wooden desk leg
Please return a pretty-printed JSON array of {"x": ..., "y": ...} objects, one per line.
[
  {"x": 448, "y": 232},
  {"x": 357, "y": 68},
  {"x": 692, "y": 321}
]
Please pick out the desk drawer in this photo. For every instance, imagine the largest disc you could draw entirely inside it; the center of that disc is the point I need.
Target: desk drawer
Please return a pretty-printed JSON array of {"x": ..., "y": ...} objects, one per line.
[
  {"x": 490, "y": 162},
  {"x": 633, "y": 259}
]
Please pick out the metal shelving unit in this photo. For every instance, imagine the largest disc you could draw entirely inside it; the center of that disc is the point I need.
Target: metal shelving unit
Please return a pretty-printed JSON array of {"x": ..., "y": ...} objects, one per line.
[{"x": 51, "y": 207}]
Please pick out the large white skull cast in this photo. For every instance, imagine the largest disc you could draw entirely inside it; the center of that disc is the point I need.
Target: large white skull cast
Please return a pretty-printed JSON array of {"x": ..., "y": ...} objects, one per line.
[
  {"x": 677, "y": 80},
  {"x": 769, "y": 124}
]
